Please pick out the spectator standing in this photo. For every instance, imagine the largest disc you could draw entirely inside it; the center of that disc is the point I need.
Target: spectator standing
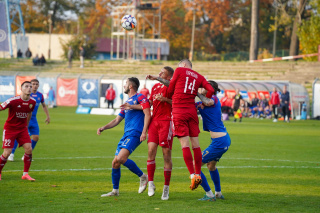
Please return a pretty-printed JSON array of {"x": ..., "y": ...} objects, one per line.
[
  {"x": 82, "y": 58},
  {"x": 110, "y": 96},
  {"x": 70, "y": 55},
  {"x": 275, "y": 102},
  {"x": 145, "y": 91},
  {"x": 236, "y": 104},
  {"x": 28, "y": 53},
  {"x": 19, "y": 54},
  {"x": 51, "y": 96},
  {"x": 284, "y": 103}
]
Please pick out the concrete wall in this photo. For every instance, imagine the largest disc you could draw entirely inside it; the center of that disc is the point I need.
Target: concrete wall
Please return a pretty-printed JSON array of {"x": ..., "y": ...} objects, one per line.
[{"x": 39, "y": 44}]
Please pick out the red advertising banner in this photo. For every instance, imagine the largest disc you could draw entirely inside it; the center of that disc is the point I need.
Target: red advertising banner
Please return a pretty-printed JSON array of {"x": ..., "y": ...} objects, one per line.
[
  {"x": 265, "y": 93},
  {"x": 67, "y": 94},
  {"x": 230, "y": 93},
  {"x": 20, "y": 80}
]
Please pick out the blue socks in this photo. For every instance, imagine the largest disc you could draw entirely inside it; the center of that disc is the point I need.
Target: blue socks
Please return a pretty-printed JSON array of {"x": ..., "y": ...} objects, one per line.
[
  {"x": 204, "y": 183},
  {"x": 116, "y": 174},
  {"x": 132, "y": 166},
  {"x": 33, "y": 144},
  {"x": 14, "y": 147},
  {"x": 216, "y": 180}
]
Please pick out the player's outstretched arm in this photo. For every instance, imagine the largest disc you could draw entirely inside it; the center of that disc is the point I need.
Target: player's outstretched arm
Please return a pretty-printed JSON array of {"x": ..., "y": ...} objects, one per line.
[
  {"x": 110, "y": 125},
  {"x": 147, "y": 118},
  {"x": 127, "y": 106},
  {"x": 205, "y": 101},
  {"x": 161, "y": 80},
  {"x": 45, "y": 109}
]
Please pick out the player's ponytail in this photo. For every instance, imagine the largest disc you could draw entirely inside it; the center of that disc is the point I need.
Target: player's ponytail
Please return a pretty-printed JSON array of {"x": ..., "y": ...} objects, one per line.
[{"x": 215, "y": 86}]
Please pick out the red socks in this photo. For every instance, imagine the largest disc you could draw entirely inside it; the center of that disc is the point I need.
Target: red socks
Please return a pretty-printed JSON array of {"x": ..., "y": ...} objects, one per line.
[
  {"x": 3, "y": 161},
  {"x": 187, "y": 156},
  {"x": 167, "y": 176},
  {"x": 27, "y": 162},
  {"x": 197, "y": 159},
  {"x": 151, "y": 167}
]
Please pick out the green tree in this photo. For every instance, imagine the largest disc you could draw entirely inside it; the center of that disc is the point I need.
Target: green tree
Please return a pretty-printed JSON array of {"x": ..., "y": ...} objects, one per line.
[
  {"x": 75, "y": 43},
  {"x": 309, "y": 32}
]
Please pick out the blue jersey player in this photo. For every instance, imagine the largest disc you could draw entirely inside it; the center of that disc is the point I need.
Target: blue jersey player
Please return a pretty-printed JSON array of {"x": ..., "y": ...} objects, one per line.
[
  {"x": 33, "y": 127},
  {"x": 135, "y": 131},
  {"x": 210, "y": 110}
]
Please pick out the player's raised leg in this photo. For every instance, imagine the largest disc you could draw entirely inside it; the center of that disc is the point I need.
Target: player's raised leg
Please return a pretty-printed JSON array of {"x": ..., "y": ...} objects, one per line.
[
  {"x": 197, "y": 161},
  {"x": 27, "y": 161},
  {"x": 151, "y": 166}
]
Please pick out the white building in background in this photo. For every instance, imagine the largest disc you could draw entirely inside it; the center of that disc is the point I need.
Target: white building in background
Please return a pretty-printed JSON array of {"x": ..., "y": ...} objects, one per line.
[{"x": 38, "y": 44}]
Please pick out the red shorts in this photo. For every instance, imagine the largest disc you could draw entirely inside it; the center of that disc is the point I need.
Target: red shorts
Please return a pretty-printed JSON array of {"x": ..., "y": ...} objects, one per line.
[
  {"x": 185, "y": 122},
  {"x": 9, "y": 136},
  {"x": 160, "y": 132}
]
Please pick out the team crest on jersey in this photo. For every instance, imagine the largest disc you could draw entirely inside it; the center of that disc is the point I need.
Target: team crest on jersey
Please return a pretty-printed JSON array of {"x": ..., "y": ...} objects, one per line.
[{"x": 30, "y": 106}]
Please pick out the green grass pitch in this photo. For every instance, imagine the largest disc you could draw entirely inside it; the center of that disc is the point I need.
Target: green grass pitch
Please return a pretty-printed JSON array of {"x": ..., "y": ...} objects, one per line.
[{"x": 270, "y": 167}]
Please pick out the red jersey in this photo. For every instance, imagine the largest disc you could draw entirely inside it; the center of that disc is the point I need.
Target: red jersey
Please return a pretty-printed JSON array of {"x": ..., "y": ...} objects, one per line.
[
  {"x": 18, "y": 112},
  {"x": 184, "y": 85},
  {"x": 275, "y": 99},
  {"x": 161, "y": 110},
  {"x": 145, "y": 92}
]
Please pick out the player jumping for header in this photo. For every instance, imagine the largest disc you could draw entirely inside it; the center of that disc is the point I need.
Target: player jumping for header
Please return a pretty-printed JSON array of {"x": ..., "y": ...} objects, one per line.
[
  {"x": 210, "y": 110},
  {"x": 16, "y": 127},
  {"x": 135, "y": 131},
  {"x": 183, "y": 89}
]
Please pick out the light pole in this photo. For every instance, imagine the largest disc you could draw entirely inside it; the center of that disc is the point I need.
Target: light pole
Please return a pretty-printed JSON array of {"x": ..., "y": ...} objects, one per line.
[
  {"x": 50, "y": 30},
  {"x": 275, "y": 31},
  {"x": 192, "y": 37}
]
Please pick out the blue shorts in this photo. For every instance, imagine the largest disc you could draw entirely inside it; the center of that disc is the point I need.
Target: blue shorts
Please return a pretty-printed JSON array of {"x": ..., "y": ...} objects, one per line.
[
  {"x": 129, "y": 141},
  {"x": 33, "y": 128},
  {"x": 214, "y": 152}
]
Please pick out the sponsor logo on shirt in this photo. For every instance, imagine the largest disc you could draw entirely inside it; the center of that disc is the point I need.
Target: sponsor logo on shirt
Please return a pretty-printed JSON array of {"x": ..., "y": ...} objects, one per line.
[
  {"x": 21, "y": 114},
  {"x": 24, "y": 103}
]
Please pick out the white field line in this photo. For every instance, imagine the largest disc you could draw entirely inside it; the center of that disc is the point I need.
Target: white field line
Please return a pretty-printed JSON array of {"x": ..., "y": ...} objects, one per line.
[
  {"x": 220, "y": 167},
  {"x": 111, "y": 157}
]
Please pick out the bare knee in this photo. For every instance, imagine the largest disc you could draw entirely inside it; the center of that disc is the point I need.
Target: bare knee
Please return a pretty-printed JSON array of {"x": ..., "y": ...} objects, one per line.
[
  {"x": 6, "y": 153},
  {"x": 121, "y": 159},
  {"x": 211, "y": 165},
  {"x": 28, "y": 149},
  {"x": 35, "y": 137},
  {"x": 115, "y": 164}
]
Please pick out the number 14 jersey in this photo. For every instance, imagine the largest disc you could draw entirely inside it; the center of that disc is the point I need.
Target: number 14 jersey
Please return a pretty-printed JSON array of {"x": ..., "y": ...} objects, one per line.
[{"x": 183, "y": 87}]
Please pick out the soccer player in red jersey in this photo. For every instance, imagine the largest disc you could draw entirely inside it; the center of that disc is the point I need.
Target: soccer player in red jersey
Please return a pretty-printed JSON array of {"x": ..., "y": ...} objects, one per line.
[
  {"x": 160, "y": 132},
  {"x": 16, "y": 127},
  {"x": 183, "y": 88}
]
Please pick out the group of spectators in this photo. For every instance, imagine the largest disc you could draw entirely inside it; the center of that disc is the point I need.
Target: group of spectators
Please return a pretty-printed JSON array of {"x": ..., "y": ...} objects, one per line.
[
  {"x": 37, "y": 61},
  {"x": 262, "y": 107}
]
